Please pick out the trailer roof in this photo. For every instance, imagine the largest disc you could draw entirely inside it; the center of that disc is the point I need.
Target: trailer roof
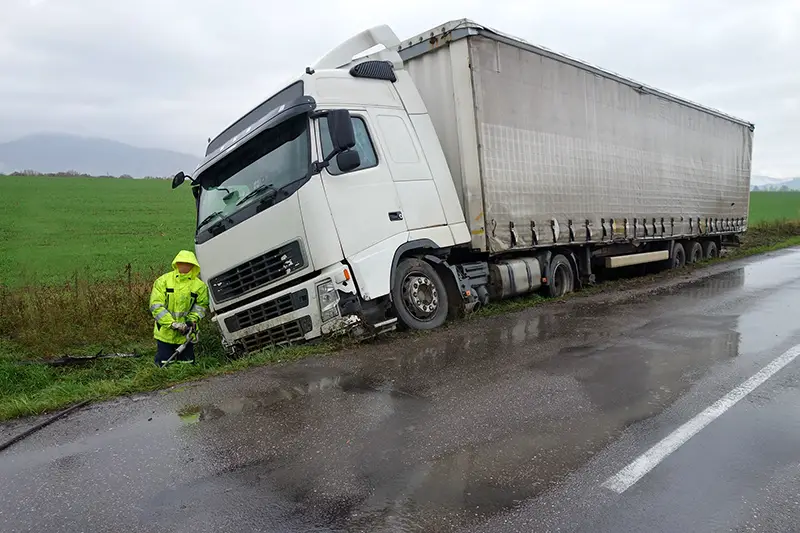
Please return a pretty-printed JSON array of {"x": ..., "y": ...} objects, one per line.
[{"x": 460, "y": 29}]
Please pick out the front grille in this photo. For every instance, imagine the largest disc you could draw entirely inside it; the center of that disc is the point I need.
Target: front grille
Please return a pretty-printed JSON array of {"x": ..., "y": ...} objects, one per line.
[
  {"x": 285, "y": 333},
  {"x": 262, "y": 270},
  {"x": 267, "y": 311}
]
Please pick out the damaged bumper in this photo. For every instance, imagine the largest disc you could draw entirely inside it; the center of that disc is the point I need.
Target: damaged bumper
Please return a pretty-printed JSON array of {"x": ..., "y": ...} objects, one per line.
[{"x": 298, "y": 313}]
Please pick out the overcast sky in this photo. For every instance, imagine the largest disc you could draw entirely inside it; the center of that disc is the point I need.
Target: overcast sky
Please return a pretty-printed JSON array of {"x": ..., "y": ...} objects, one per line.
[{"x": 171, "y": 73}]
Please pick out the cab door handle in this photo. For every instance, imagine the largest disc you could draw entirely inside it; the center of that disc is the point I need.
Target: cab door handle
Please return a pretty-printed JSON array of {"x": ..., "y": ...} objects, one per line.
[{"x": 394, "y": 216}]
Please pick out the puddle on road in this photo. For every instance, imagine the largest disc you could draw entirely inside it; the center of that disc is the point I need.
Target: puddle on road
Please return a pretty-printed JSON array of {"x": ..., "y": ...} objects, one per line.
[
  {"x": 413, "y": 372},
  {"x": 650, "y": 367},
  {"x": 190, "y": 413},
  {"x": 775, "y": 271},
  {"x": 417, "y": 438},
  {"x": 297, "y": 383},
  {"x": 381, "y": 483},
  {"x": 190, "y": 418}
]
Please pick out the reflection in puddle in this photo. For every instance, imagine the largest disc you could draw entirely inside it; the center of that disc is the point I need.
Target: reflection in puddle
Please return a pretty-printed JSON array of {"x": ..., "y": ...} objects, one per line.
[
  {"x": 295, "y": 386},
  {"x": 190, "y": 418},
  {"x": 190, "y": 413},
  {"x": 774, "y": 272},
  {"x": 437, "y": 432},
  {"x": 410, "y": 372}
]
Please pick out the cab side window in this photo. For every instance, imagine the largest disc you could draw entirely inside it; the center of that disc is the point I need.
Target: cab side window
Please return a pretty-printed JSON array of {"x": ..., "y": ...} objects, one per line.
[{"x": 364, "y": 146}]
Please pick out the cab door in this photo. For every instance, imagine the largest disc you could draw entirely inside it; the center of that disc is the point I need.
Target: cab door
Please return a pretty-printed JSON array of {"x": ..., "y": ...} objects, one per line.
[
  {"x": 419, "y": 197},
  {"x": 364, "y": 202}
]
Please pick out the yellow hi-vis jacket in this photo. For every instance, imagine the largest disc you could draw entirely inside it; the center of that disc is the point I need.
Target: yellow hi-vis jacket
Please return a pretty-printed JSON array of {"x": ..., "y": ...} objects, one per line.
[{"x": 178, "y": 297}]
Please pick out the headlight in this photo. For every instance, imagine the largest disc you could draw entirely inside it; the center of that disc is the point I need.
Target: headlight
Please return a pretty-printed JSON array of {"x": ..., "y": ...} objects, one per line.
[{"x": 328, "y": 299}]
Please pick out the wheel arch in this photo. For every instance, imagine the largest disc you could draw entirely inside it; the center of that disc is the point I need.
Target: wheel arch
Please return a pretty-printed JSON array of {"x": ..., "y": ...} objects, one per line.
[{"x": 421, "y": 248}]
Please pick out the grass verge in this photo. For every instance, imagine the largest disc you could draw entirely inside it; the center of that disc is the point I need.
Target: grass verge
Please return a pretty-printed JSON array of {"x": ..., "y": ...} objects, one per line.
[{"x": 85, "y": 317}]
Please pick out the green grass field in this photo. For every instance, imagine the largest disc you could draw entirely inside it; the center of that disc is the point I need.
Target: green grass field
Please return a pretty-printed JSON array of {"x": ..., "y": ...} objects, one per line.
[
  {"x": 53, "y": 228},
  {"x": 65, "y": 244},
  {"x": 769, "y": 206}
]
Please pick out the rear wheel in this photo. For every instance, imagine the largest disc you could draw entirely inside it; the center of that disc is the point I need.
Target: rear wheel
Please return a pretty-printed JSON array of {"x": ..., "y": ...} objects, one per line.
[
  {"x": 695, "y": 254},
  {"x": 710, "y": 250},
  {"x": 419, "y": 295},
  {"x": 562, "y": 278},
  {"x": 678, "y": 258}
]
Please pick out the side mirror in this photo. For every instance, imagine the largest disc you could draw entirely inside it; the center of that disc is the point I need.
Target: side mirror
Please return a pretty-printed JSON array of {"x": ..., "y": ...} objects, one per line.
[
  {"x": 341, "y": 131},
  {"x": 347, "y": 161},
  {"x": 178, "y": 180}
]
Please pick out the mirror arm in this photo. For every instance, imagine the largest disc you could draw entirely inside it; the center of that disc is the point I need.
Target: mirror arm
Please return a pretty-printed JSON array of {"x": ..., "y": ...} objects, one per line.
[{"x": 319, "y": 166}]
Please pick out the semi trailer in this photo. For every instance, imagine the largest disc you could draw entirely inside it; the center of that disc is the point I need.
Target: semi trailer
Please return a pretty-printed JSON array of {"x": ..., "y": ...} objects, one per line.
[{"x": 405, "y": 182}]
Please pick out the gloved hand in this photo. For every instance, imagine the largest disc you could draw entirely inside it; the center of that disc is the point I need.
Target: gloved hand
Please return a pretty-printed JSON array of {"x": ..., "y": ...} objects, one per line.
[{"x": 180, "y": 327}]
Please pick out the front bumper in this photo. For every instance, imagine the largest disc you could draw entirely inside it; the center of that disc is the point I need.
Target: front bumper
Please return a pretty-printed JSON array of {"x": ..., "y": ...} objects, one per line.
[{"x": 289, "y": 316}]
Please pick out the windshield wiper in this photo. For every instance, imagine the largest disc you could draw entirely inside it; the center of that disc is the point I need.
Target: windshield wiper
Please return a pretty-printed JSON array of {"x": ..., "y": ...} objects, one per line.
[
  {"x": 220, "y": 224},
  {"x": 209, "y": 218},
  {"x": 272, "y": 198},
  {"x": 255, "y": 192},
  {"x": 269, "y": 187}
]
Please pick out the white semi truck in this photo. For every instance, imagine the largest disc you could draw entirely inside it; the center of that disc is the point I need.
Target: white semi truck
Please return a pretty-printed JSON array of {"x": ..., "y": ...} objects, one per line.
[{"x": 439, "y": 173}]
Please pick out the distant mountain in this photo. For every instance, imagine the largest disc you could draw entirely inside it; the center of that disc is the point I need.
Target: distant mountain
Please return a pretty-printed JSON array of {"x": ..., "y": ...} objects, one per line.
[
  {"x": 760, "y": 181},
  {"x": 765, "y": 183},
  {"x": 49, "y": 152}
]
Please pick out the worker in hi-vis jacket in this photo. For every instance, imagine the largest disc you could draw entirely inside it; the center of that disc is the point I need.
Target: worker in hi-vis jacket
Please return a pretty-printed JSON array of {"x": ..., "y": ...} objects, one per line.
[{"x": 178, "y": 301}]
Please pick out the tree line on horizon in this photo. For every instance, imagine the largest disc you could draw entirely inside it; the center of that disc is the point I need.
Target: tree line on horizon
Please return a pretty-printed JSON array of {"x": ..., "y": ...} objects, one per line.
[{"x": 76, "y": 174}]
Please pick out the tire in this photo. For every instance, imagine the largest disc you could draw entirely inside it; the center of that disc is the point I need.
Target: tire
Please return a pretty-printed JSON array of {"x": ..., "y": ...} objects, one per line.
[
  {"x": 419, "y": 295},
  {"x": 710, "y": 250},
  {"x": 678, "y": 259},
  {"x": 695, "y": 254},
  {"x": 562, "y": 278}
]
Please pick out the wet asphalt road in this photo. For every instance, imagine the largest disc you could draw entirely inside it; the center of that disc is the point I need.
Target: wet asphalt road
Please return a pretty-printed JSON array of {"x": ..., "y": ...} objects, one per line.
[{"x": 502, "y": 424}]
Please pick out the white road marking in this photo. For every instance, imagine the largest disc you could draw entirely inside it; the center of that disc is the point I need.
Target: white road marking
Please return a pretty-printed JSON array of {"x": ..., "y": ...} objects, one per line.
[{"x": 635, "y": 471}]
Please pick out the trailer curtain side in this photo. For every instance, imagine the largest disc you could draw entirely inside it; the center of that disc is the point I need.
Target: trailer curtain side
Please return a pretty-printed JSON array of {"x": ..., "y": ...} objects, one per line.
[{"x": 544, "y": 149}]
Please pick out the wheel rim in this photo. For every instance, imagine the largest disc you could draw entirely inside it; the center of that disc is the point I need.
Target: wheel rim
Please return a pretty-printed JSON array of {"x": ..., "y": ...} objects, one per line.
[
  {"x": 712, "y": 252},
  {"x": 420, "y": 297},
  {"x": 560, "y": 280}
]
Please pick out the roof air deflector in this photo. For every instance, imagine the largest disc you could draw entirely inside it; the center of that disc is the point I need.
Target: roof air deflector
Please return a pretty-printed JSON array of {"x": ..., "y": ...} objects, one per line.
[{"x": 343, "y": 54}]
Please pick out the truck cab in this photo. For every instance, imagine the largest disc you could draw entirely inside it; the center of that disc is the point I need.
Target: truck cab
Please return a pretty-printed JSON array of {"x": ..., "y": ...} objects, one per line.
[{"x": 305, "y": 204}]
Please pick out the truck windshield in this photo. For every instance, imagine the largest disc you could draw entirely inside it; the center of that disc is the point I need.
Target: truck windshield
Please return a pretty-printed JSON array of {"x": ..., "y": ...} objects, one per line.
[{"x": 268, "y": 168}]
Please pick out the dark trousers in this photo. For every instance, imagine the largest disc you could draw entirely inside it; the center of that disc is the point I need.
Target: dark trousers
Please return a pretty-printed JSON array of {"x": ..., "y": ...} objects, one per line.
[{"x": 165, "y": 350}]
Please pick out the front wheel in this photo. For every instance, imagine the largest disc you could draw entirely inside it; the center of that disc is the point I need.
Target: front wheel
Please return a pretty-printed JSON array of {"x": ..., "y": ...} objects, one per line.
[{"x": 419, "y": 295}]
